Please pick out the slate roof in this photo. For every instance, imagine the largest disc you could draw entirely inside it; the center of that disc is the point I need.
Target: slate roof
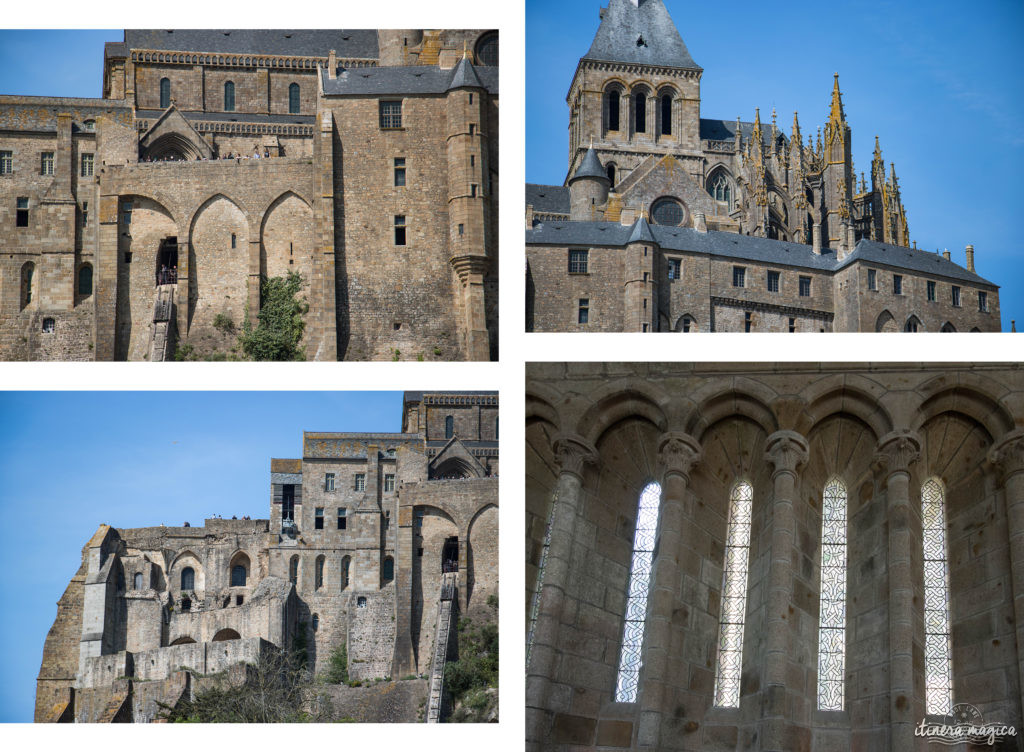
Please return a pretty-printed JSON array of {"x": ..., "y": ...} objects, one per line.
[
  {"x": 550, "y": 199},
  {"x": 590, "y": 167},
  {"x": 356, "y": 43},
  {"x": 644, "y": 35},
  {"x": 228, "y": 117},
  {"x": 745, "y": 247},
  {"x": 115, "y": 49},
  {"x": 725, "y": 130},
  {"x": 465, "y": 75},
  {"x": 403, "y": 79}
]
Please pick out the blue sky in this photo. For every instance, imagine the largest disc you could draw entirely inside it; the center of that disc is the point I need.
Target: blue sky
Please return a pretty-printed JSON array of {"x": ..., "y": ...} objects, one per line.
[
  {"x": 940, "y": 83},
  {"x": 74, "y": 460}
]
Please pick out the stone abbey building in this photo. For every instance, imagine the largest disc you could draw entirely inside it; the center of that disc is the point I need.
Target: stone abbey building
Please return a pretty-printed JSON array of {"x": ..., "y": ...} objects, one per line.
[
  {"x": 788, "y": 557},
  {"x": 365, "y": 161},
  {"x": 670, "y": 221},
  {"x": 375, "y": 541}
]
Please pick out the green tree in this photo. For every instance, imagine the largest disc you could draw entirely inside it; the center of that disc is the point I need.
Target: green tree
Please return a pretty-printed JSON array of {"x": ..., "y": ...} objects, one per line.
[{"x": 281, "y": 323}]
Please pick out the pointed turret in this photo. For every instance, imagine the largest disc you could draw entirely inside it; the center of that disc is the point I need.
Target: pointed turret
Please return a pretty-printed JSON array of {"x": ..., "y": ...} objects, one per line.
[
  {"x": 465, "y": 76},
  {"x": 588, "y": 187},
  {"x": 836, "y": 114},
  {"x": 640, "y": 32},
  {"x": 641, "y": 232}
]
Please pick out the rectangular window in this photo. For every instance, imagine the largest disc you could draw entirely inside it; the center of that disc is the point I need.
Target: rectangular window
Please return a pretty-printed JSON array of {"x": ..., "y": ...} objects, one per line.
[
  {"x": 584, "y": 312},
  {"x": 399, "y": 229},
  {"x": 390, "y": 114},
  {"x": 21, "y": 220},
  {"x": 805, "y": 287},
  {"x": 127, "y": 257},
  {"x": 747, "y": 321},
  {"x": 342, "y": 518},
  {"x": 85, "y": 213},
  {"x": 46, "y": 163},
  {"x": 126, "y": 212},
  {"x": 387, "y": 519},
  {"x": 872, "y": 279},
  {"x": 472, "y": 129},
  {"x": 360, "y": 482},
  {"x": 956, "y": 296},
  {"x": 792, "y": 324},
  {"x": 399, "y": 170},
  {"x": 234, "y": 241},
  {"x": 88, "y": 160},
  {"x": 897, "y": 284},
  {"x": 773, "y": 281},
  {"x": 739, "y": 276},
  {"x": 329, "y": 481},
  {"x": 389, "y": 482},
  {"x": 578, "y": 261},
  {"x": 931, "y": 291},
  {"x": 983, "y": 301},
  {"x": 288, "y": 502},
  {"x": 462, "y": 229},
  {"x": 472, "y": 190},
  {"x": 6, "y": 162},
  {"x": 675, "y": 268},
  {"x": 318, "y": 519}
]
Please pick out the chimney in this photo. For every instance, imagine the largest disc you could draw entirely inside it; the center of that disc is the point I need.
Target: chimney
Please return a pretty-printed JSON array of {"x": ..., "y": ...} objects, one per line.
[
  {"x": 332, "y": 65},
  {"x": 851, "y": 239},
  {"x": 945, "y": 254},
  {"x": 700, "y": 222},
  {"x": 816, "y": 238},
  {"x": 970, "y": 258}
]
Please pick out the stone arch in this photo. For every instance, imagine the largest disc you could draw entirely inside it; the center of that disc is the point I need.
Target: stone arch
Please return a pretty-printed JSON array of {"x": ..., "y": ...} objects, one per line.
[
  {"x": 721, "y": 185},
  {"x": 613, "y": 96},
  {"x": 239, "y": 569},
  {"x": 885, "y": 322},
  {"x": 84, "y": 281},
  {"x": 778, "y": 215},
  {"x": 183, "y": 640},
  {"x": 639, "y": 94},
  {"x": 346, "y": 573},
  {"x": 620, "y": 400},
  {"x": 746, "y": 397},
  {"x": 387, "y": 571},
  {"x": 173, "y": 145},
  {"x": 152, "y": 223},
  {"x": 948, "y": 327},
  {"x": 974, "y": 401},
  {"x": 482, "y": 550},
  {"x": 913, "y": 324},
  {"x": 540, "y": 401},
  {"x": 686, "y": 323},
  {"x": 455, "y": 467},
  {"x": 187, "y": 559},
  {"x": 226, "y": 634},
  {"x": 286, "y": 237},
  {"x": 664, "y": 109},
  {"x": 218, "y": 274},
  {"x": 839, "y": 395}
]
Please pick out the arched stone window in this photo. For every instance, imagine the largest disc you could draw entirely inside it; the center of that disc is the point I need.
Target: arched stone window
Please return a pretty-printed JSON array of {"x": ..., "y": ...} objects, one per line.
[
  {"x": 449, "y": 426},
  {"x": 668, "y": 212},
  {"x": 229, "y": 96},
  {"x": 612, "y": 107},
  {"x": 610, "y": 169},
  {"x": 165, "y": 93},
  {"x": 316, "y": 622},
  {"x": 28, "y": 270},
  {"x": 640, "y": 111},
  {"x": 388, "y": 570},
  {"x": 85, "y": 280},
  {"x": 188, "y": 579},
  {"x": 913, "y": 324},
  {"x": 138, "y": 581},
  {"x": 238, "y": 575},
  {"x": 319, "y": 572},
  {"x": 832, "y": 608},
  {"x": 486, "y": 52},
  {"x": 938, "y": 669},
  {"x": 665, "y": 107},
  {"x": 734, "y": 597},
  {"x": 293, "y": 99},
  {"x": 720, "y": 187},
  {"x": 631, "y": 652},
  {"x": 687, "y": 324},
  {"x": 346, "y": 564},
  {"x": 293, "y": 570}
]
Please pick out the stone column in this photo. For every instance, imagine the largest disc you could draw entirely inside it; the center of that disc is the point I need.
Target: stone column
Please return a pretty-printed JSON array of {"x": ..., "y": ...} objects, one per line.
[
  {"x": 677, "y": 453},
  {"x": 572, "y": 453},
  {"x": 786, "y": 451},
  {"x": 1008, "y": 456},
  {"x": 897, "y": 451}
]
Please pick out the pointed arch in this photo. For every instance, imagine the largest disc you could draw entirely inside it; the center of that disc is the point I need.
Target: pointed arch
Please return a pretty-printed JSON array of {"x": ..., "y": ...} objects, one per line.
[
  {"x": 687, "y": 323},
  {"x": 913, "y": 324},
  {"x": 721, "y": 185},
  {"x": 948, "y": 327},
  {"x": 612, "y": 105},
  {"x": 885, "y": 322}
]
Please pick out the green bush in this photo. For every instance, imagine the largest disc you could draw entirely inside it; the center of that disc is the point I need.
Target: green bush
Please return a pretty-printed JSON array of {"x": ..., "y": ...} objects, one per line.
[
  {"x": 223, "y": 323},
  {"x": 476, "y": 670},
  {"x": 281, "y": 323},
  {"x": 337, "y": 666}
]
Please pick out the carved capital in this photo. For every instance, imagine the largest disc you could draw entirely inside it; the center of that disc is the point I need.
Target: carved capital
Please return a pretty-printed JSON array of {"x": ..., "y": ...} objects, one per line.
[
  {"x": 572, "y": 452},
  {"x": 678, "y": 453},
  {"x": 786, "y": 450},
  {"x": 897, "y": 451},
  {"x": 1008, "y": 454}
]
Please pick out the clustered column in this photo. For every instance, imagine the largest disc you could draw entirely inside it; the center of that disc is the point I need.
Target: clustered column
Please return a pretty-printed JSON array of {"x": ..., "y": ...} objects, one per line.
[
  {"x": 897, "y": 451},
  {"x": 786, "y": 451},
  {"x": 677, "y": 453},
  {"x": 1009, "y": 456},
  {"x": 572, "y": 453}
]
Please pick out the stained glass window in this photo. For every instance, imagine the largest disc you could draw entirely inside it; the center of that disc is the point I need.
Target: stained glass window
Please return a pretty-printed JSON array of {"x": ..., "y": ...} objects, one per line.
[
  {"x": 832, "y": 618},
  {"x": 938, "y": 671},
  {"x": 630, "y": 657},
  {"x": 535, "y": 604},
  {"x": 734, "y": 598}
]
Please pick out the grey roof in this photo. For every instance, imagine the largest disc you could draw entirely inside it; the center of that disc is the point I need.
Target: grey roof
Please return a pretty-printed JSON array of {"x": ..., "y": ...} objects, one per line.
[
  {"x": 590, "y": 167},
  {"x": 229, "y": 117},
  {"x": 644, "y": 35},
  {"x": 355, "y": 43},
  {"x": 553, "y": 199},
  {"x": 406, "y": 79},
  {"x": 725, "y": 130},
  {"x": 465, "y": 76},
  {"x": 115, "y": 49},
  {"x": 641, "y": 232},
  {"x": 745, "y": 247}
]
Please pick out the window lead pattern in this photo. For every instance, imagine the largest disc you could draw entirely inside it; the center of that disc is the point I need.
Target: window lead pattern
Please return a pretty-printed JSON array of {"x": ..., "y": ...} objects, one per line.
[
  {"x": 631, "y": 656},
  {"x": 938, "y": 672},
  {"x": 535, "y": 602},
  {"x": 832, "y": 619},
  {"x": 734, "y": 598}
]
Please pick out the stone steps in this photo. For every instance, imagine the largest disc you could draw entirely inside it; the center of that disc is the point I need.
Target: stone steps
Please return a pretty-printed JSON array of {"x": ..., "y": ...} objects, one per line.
[{"x": 444, "y": 624}]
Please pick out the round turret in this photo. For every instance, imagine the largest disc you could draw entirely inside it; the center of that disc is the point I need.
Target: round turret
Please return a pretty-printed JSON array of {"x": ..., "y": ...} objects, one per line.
[
  {"x": 588, "y": 187},
  {"x": 395, "y": 45}
]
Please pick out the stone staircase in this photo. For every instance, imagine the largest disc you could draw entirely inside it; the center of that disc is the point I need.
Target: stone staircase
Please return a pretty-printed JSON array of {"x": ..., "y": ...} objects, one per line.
[
  {"x": 448, "y": 605},
  {"x": 162, "y": 344},
  {"x": 431, "y": 48}
]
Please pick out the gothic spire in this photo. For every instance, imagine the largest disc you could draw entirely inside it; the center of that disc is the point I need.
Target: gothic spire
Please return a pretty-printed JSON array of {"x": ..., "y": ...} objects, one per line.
[{"x": 836, "y": 114}]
